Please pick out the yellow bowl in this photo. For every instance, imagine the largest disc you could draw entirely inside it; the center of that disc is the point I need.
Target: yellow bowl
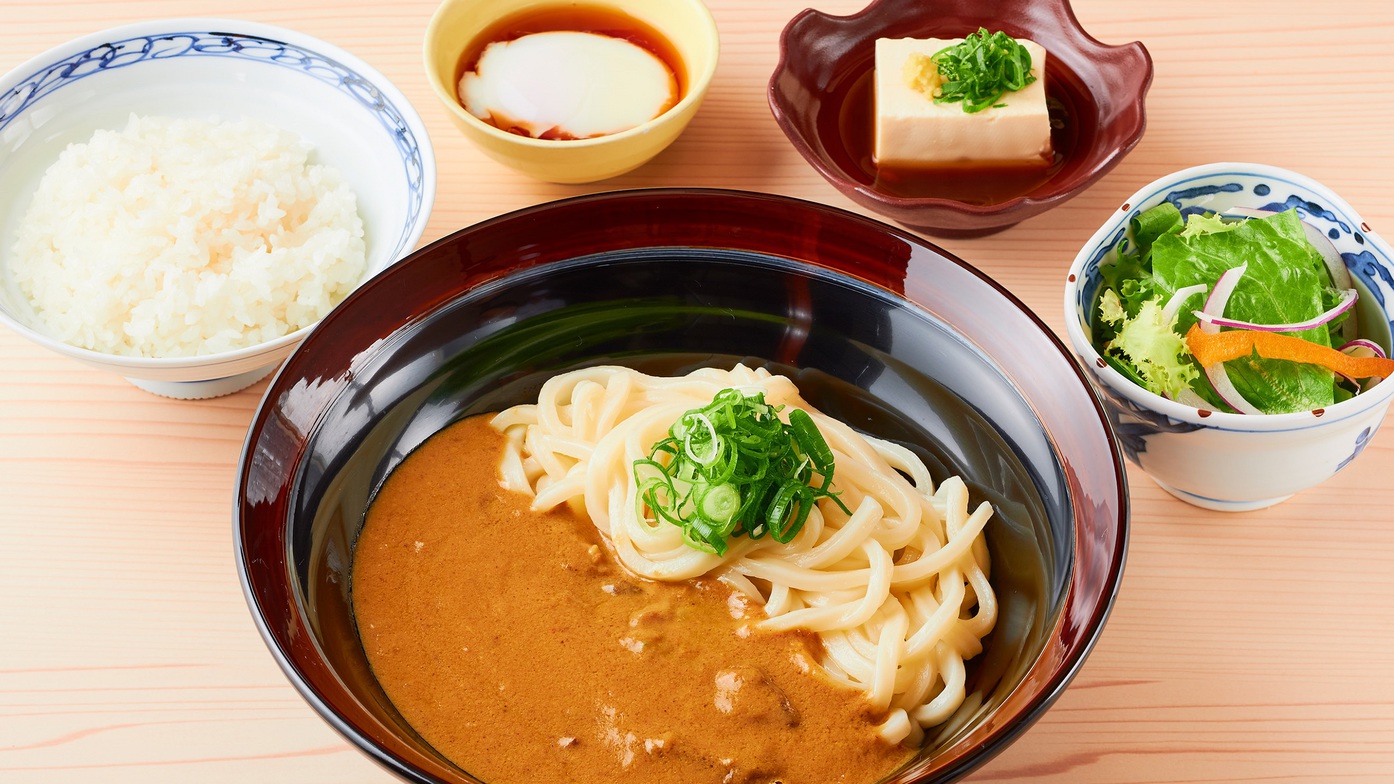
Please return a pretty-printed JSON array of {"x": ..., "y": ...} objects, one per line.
[{"x": 686, "y": 24}]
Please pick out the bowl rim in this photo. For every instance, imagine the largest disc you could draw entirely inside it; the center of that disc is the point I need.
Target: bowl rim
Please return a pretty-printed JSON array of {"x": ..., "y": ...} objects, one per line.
[
  {"x": 838, "y": 178},
  {"x": 1217, "y": 420},
  {"x": 696, "y": 91},
  {"x": 1061, "y": 673},
  {"x": 262, "y": 30}
]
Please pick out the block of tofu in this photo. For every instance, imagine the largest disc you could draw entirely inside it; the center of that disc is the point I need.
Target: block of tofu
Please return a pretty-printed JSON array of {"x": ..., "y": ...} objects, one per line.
[{"x": 913, "y": 131}]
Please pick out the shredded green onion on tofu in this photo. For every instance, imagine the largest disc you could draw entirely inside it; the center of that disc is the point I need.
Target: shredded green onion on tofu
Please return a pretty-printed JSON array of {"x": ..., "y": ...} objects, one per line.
[
  {"x": 734, "y": 468},
  {"x": 981, "y": 69}
]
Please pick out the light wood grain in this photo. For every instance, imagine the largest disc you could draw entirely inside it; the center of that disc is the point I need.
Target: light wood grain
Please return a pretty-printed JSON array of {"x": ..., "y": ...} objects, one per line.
[{"x": 1250, "y": 647}]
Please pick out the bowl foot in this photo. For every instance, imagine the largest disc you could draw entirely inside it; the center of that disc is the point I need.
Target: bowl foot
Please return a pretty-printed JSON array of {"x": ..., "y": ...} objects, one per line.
[
  {"x": 202, "y": 390},
  {"x": 1221, "y": 505}
]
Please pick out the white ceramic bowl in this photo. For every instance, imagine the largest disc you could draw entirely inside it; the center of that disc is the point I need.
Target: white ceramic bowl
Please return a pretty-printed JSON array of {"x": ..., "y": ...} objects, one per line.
[
  {"x": 1224, "y": 461},
  {"x": 356, "y": 120}
]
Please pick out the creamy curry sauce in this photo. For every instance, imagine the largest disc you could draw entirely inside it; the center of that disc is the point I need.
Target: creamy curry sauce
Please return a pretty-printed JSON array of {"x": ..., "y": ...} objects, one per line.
[{"x": 514, "y": 644}]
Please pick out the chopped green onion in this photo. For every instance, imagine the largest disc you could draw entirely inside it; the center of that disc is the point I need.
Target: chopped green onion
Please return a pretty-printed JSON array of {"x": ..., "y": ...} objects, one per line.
[
  {"x": 812, "y": 442},
  {"x": 704, "y": 438},
  {"x": 981, "y": 69},
  {"x": 734, "y": 468},
  {"x": 779, "y": 508},
  {"x": 720, "y": 503}
]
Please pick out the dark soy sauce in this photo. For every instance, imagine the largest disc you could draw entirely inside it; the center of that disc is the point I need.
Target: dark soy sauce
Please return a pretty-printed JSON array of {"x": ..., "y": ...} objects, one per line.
[
  {"x": 578, "y": 18},
  {"x": 970, "y": 184}
]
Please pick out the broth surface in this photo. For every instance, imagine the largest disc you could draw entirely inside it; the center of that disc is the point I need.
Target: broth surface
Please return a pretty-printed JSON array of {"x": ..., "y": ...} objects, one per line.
[{"x": 512, "y": 643}]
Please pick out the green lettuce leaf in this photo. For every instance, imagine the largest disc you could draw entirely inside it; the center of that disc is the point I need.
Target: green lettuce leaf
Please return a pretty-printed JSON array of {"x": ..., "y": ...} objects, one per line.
[
  {"x": 1207, "y": 223},
  {"x": 1284, "y": 283},
  {"x": 1110, "y": 308},
  {"x": 1151, "y": 344}
]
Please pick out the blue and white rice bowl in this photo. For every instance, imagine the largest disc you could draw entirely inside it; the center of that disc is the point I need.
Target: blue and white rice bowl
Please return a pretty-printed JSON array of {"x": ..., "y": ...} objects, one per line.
[
  {"x": 1224, "y": 461},
  {"x": 355, "y": 119}
]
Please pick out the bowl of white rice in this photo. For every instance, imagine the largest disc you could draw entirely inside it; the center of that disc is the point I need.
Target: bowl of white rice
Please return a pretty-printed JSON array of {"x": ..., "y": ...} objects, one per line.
[{"x": 182, "y": 200}]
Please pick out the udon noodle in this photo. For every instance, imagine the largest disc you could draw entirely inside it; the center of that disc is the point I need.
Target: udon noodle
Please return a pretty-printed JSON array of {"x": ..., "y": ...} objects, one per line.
[{"x": 898, "y": 591}]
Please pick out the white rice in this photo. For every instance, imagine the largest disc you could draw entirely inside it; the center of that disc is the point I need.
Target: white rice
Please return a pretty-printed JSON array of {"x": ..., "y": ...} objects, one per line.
[{"x": 178, "y": 237}]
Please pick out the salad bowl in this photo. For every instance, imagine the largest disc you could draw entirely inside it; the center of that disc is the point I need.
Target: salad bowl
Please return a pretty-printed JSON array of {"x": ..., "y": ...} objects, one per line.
[{"x": 1233, "y": 461}]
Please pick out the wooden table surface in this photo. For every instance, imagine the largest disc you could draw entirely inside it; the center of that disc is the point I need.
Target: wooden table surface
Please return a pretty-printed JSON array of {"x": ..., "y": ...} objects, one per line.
[{"x": 1244, "y": 647}]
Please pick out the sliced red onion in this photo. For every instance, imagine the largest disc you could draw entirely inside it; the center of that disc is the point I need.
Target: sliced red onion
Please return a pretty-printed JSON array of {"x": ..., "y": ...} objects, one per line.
[
  {"x": 1219, "y": 378},
  {"x": 1340, "y": 276},
  {"x": 1219, "y": 296},
  {"x": 1336, "y": 268},
  {"x": 1371, "y": 348},
  {"x": 1189, "y": 398},
  {"x": 1215, "y": 306},
  {"x": 1179, "y": 298},
  {"x": 1346, "y": 302},
  {"x": 1360, "y": 347}
]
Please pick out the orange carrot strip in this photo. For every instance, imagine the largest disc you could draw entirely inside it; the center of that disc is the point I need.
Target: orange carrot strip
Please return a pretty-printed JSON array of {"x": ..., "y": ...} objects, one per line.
[{"x": 1237, "y": 343}]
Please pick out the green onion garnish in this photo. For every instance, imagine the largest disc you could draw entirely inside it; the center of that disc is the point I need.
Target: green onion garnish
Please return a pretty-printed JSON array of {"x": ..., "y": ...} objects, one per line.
[
  {"x": 981, "y": 69},
  {"x": 733, "y": 468}
]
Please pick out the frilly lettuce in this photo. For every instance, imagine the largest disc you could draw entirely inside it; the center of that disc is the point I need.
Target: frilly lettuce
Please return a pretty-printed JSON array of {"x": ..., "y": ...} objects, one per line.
[
  {"x": 1150, "y": 342},
  {"x": 1206, "y": 223}
]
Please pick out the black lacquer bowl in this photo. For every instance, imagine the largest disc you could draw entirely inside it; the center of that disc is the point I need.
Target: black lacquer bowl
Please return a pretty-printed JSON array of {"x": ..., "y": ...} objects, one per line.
[{"x": 876, "y": 327}]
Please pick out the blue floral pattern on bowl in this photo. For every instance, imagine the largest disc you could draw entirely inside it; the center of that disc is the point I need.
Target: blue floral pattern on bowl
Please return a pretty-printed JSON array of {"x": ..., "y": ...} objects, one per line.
[
  {"x": 353, "y": 117},
  {"x": 136, "y": 50},
  {"x": 1132, "y": 424}
]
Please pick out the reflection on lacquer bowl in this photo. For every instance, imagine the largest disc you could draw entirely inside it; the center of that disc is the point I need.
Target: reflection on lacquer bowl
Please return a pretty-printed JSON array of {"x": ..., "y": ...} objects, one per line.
[{"x": 876, "y": 328}]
